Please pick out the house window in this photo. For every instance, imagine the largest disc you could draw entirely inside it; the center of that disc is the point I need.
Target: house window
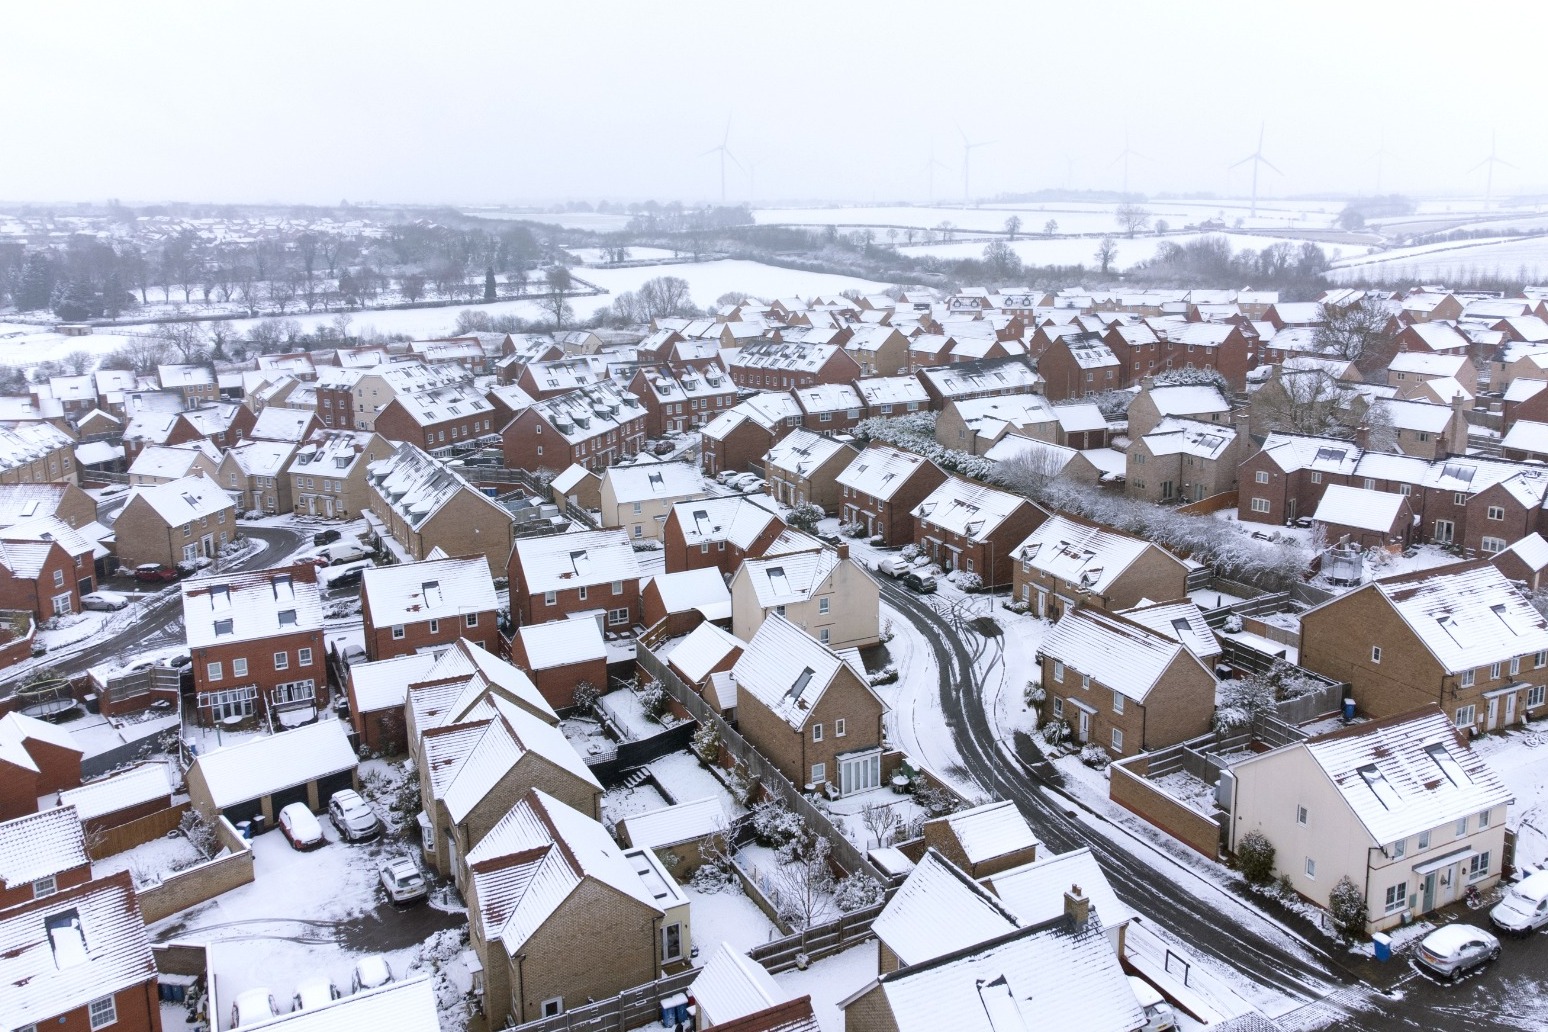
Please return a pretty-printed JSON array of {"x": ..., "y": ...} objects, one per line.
[
  {"x": 1370, "y": 484},
  {"x": 581, "y": 592},
  {"x": 1424, "y": 841},
  {"x": 471, "y": 620},
  {"x": 618, "y": 587},
  {"x": 213, "y": 672},
  {"x": 1375, "y": 653},
  {"x": 1467, "y": 678},
  {"x": 1300, "y": 816},
  {"x": 1262, "y": 476},
  {"x": 1397, "y": 897},
  {"x": 639, "y": 531},
  {"x": 1399, "y": 848},
  {"x": 1459, "y": 498},
  {"x": 816, "y": 732},
  {"x": 617, "y": 617},
  {"x": 1117, "y": 703},
  {"x": 1117, "y": 740},
  {"x": 435, "y": 627},
  {"x": 822, "y": 606},
  {"x": 397, "y": 632},
  {"x": 104, "y": 1012},
  {"x": 1535, "y": 695},
  {"x": 1405, "y": 490},
  {"x": 58, "y": 578},
  {"x": 1496, "y": 512},
  {"x": 1058, "y": 671},
  {"x": 672, "y": 942},
  {"x": 1483, "y": 820},
  {"x": 1494, "y": 671},
  {"x": 1541, "y": 660},
  {"x": 819, "y": 773},
  {"x": 1477, "y": 867},
  {"x": 838, "y": 728},
  {"x": 1085, "y": 682},
  {"x": 704, "y": 548},
  {"x": 44, "y": 887},
  {"x": 824, "y": 635},
  {"x": 1316, "y": 478},
  {"x": 1491, "y": 545},
  {"x": 1465, "y": 716},
  {"x": 303, "y": 657},
  {"x": 239, "y": 667},
  {"x": 1461, "y": 828},
  {"x": 282, "y": 661},
  {"x": 1260, "y": 505},
  {"x": 779, "y": 610},
  {"x": 1058, "y": 708},
  {"x": 638, "y": 508},
  {"x": 553, "y": 1006},
  {"x": 1515, "y": 665},
  {"x": 1311, "y": 868},
  {"x": 549, "y": 598}
]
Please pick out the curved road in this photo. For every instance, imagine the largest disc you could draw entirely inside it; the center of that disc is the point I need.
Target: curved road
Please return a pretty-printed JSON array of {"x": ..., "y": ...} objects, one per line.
[{"x": 1211, "y": 920}]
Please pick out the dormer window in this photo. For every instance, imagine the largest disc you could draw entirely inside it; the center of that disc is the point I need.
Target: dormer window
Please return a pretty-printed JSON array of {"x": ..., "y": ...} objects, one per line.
[{"x": 223, "y": 627}]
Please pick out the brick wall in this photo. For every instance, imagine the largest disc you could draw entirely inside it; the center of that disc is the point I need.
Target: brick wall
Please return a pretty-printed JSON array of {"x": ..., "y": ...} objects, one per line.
[
  {"x": 206, "y": 881},
  {"x": 1128, "y": 788}
]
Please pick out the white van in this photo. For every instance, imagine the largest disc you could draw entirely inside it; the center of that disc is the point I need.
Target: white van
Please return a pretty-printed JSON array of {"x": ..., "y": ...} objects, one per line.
[
  {"x": 1159, "y": 1015},
  {"x": 892, "y": 565},
  {"x": 1525, "y": 906}
]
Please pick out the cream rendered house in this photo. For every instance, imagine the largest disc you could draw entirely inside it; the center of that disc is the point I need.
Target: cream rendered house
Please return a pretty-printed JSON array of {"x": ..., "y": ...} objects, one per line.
[
  {"x": 640, "y": 498},
  {"x": 822, "y": 591}
]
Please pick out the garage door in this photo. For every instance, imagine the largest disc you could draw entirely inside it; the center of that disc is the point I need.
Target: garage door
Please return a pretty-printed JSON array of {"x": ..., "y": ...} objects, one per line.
[
  {"x": 334, "y": 783},
  {"x": 285, "y": 797},
  {"x": 243, "y": 811}
]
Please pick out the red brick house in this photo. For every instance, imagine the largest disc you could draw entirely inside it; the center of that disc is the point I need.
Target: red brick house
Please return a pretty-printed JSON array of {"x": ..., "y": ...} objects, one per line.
[
  {"x": 829, "y": 408},
  {"x": 40, "y": 854},
  {"x": 684, "y": 600},
  {"x": 592, "y": 426},
  {"x": 986, "y": 379},
  {"x": 966, "y": 526},
  {"x": 803, "y": 469},
  {"x": 1364, "y": 519},
  {"x": 738, "y": 438},
  {"x": 560, "y": 656},
  {"x": 1078, "y": 366},
  {"x": 1285, "y": 479},
  {"x": 684, "y": 400},
  {"x": 719, "y": 533},
  {"x": 770, "y": 365},
  {"x": 550, "y": 378},
  {"x": 442, "y": 416},
  {"x": 408, "y": 607},
  {"x": 556, "y": 577},
  {"x": 40, "y": 577},
  {"x": 257, "y": 644},
  {"x": 36, "y": 758},
  {"x": 880, "y": 489}
]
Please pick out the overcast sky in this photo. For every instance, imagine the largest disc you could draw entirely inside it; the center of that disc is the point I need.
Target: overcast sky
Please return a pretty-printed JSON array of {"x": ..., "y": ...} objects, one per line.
[{"x": 515, "y": 102}]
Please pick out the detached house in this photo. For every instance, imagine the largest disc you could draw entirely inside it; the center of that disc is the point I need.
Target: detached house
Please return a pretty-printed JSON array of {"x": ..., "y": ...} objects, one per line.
[
  {"x": 1122, "y": 686},
  {"x": 255, "y": 473},
  {"x": 1069, "y": 562},
  {"x": 411, "y": 607},
  {"x": 257, "y": 645},
  {"x": 803, "y": 469},
  {"x": 423, "y": 504},
  {"x": 718, "y": 532},
  {"x": 966, "y": 526},
  {"x": 881, "y": 487},
  {"x": 1183, "y": 460},
  {"x": 737, "y": 439},
  {"x": 181, "y": 521},
  {"x": 42, "y": 577},
  {"x": 1460, "y": 636},
  {"x": 820, "y": 590},
  {"x": 563, "y": 575},
  {"x": 809, "y": 709},
  {"x": 1402, "y": 806},
  {"x": 639, "y": 498}
]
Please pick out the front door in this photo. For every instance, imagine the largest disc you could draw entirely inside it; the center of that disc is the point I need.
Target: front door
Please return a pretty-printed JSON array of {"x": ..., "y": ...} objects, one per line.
[
  {"x": 1510, "y": 708},
  {"x": 1494, "y": 714},
  {"x": 1429, "y": 892},
  {"x": 1290, "y": 508},
  {"x": 1446, "y": 886},
  {"x": 1085, "y": 725}
]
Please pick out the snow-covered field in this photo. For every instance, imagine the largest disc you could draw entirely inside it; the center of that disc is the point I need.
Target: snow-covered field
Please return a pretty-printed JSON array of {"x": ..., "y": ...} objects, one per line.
[
  {"x": 1438, "y": 262},
  {"x": 1082, "y": 250},
  {"x": 1072, "y": 216}
]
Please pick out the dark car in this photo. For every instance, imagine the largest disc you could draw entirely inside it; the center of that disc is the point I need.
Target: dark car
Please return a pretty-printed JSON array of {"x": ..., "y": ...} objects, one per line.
[
  {"x": 325, "y": 537},
  {"x": 920, "y": 582},
  {"x": 154, "y": 573}
]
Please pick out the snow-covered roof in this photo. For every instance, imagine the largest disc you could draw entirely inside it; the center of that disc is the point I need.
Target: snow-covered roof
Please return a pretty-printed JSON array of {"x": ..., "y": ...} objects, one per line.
[
  {"x": 1438, "y": 336},
  {"x": 991, "y": 830},
  {"x": 654, "y": 480},
  {"x": 406, "y": 1005},
  {"x": 788, "y": 670},
  {"x": 417, "y": 485},
  {"x": 788, "y": 578},
  {"x": 732, "y": 985},
  {"x": 892, "y": 390},
  {"x": 562, "y": 643},
  {"x": 1188, "y": 399},
  {"x": 1524, "y": 388},
  {"x": 939, "y": 910},
  {"x": 703, "y": 589},
  {"x": 1182, "y": 621},
  {"x": 1359, "y": 508},
  {"x": 1527, "y": 436},
  {"x": 997, "y": 374},
  {"x": 264, "y": 765},
  {"x": 828, "y": 397},
  {"x": 1080, "y": 553},
  {"x": 1174, "y": 436},
  {"x": 511, "y": 735},
  {"x": 988, "y": 417},
  {"x": 1035, "y": 891},
  {"x": 16, "y": 729},
  {"x": 330, "y": 452},
  {"x": 62, "y": 952},
  {"x": 969, "y": 509},
  {"x": 1419, "y": 415},
  {"x": 672, "y": 825},
  {"x": 1532, "y": 550},
  {"x": 1407, "y": 774},
  {"x": 1292, "y": 452},
  {"x": 444, "y": 402},
  {"x": 183, "y": 501},
  {"x": 880, "y": 470},
  {"x": 802, "y": 452},
  {"x": 1121, "y": 655},
  {"x": 251, "y": 606},
  {"x": 702, "y": 649},
  {"x": 1047, "y": 459},
  {"x": 143, "y": 784},
  {"x": 172, "y": 376},
  {"x": 276, "y": 423},
  {"x": 791, "y": 355},
  {"x": 1467, "y": 614},
  {"x": 574, "y": 475},
  {"x": 563, "y": 561},
  {"x": 737, "y": 519},
  {"x": 435, "y": 589},
  {"x": 36, "y": 845},
  {"x": 384, "y": 683},
  {"x": 595, "y": 410},
  {"x": 462, "y": 680},
  {"x": 95, "y": 453},
  {"x": 171, "y": 461},
  {"x": 1079, "y": 417},
  {"x": 1427, "y": 364}
]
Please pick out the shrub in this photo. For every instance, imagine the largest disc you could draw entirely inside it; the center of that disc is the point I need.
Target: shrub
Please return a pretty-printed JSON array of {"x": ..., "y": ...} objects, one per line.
[
  {"x": 706, "y": 742},
  {"x": 804, "y": 517},
  {"x": 1255, "y": 858},
  {"x": 742, "y": 785},
  {"x": 852, "y": 530},
  {"x": 1347, "y": 905},
  {"x": 199, "y": 832},
  {"x": 1055, "y": 733},
  {"x": 1036, "y": 694},
  {"x": 586, "y": 696},
  {"x": 653, "y": 697},
  {"x": 887, "y": 676},
  {"x": 1095, "y": 757},
  {"x": 857, "y": 892},
  {"x": 775, "y": 826},
  {"x": 969, "y": 581},
  {"x": 1233, "y": 624},
  {"x": 908, "y": 553}
]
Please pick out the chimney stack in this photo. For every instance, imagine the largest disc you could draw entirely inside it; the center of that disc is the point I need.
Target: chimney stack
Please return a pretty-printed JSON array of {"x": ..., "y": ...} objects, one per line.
[
  {"x": 842, "y": 548},
  {"x": 1077, "y": 908}
]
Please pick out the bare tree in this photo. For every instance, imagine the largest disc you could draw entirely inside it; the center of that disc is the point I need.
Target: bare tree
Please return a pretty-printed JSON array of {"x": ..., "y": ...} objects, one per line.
[
  {"x": 557, "y": 307},
  {"x": 78, "y": 362},
  {"x": 1012, "y": 226},
  {"x": 663, "y": 296},
  {"x": 1357, "y": 333},
  {"x": 1050, "y": 228},
  {"x": 1106, "y": 254},
  {"x": 1132, "y": 218},
  {"x": 412, "y": 287},
  {"x": 803, "y": 884},
  {"x": 1002, "y": 262},
  {"x": 879, "y": 819},
  {"x": 1030, "y": 471},
  {"x": 1307, "y": 401},
  {"x": 188, "y": 340}
]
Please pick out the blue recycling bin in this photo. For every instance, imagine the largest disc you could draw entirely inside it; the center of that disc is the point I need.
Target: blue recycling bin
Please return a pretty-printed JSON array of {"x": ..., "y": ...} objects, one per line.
[
  {"x": 1383, "y": 946},
  {"x": 1349, "y": 709}
]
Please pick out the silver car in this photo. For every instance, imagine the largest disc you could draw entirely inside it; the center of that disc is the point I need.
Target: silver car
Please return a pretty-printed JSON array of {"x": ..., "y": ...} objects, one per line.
[
  {"x": 1455, "y": 949},
  {"x": 353, "y": 816}
]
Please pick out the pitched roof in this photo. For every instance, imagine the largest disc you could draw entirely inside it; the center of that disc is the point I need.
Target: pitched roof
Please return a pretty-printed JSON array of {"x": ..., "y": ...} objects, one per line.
[
  {"x": 701, "y": 649},
  {"x": 512, "y": 734},
  {"x": 1357, "y": 507},
  {"x": 703, "y": 590},
  {"x": 384, "y": 683},
  {"x": 733, "y": 985},
  {"x": 785, "y": 579},
  {"x": 1173, "y": 436},
  {"x": 1182, "y": 621},
  {"x": 417, "y": 485},
  {"x": 563, "y": 561},
  {"x": 145, "y": 783},
  {"x": 463, "y": 679},
  {"x": 880, "y": 471},
  {"x": 1082, "y": 553},
  {"x": 1115, "y": 652},
  {"x": 787, "y": 670},
  {"x": 250, "y": 606},
  {"x": 36, "y": 845},
  {"x": 802, "y": 452},
  {"x": 16, "y": 729},
  {"x": 1035, "y": 891},
  {"x": 434, "y": 589},
  {"x": 562, "y": 643},
  {"x": 991, "y": 830},
  {"x": 653, "y": 480},
  {"x": 736, "y": 519},
  {"x": 678, "y": 823},
  {"x": 264, "y": 765},
  {"x": 1532, "y": 550},
  {"x": 938, "y": 910},
  {"x": 171, "y": 461},
  {"x": 183, "y": 501},
  {"x": 974, "y": 511}
]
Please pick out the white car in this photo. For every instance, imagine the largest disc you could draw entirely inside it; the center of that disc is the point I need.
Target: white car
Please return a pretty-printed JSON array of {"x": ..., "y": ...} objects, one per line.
[
  {"x": 253, "y": 1006},
  {"x": 1159, "y": 1016},
  {"x": 1455, "y": 949},
  {"x": 1525, "y": 906},
  {"x": 370, "y": 972},
  {"x": 104, "y": 601},
  {"x": 402, "y": 880},
  {"x": 314, "y": 992}
]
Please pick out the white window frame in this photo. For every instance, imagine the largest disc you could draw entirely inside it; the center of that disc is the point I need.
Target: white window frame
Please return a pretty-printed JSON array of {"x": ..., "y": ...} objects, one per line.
[
  {"x": 1117, "y": 740},
  {"x": 1260, "y": 505},
  {"x": 1396, "y": 898},
  {"x": 1478, "y": 866},
  {"x": 213, "y": 671},
  {"x": 1536, "y": 695},
  {"x": 1483, "y": 819},
  {"x": 303, "y": 657},
  {"x": 1496, "y": 512},
  {"x": 282, "y": 661},
  {"x": 1424, "y": 841},
  {"x": 1117, "y": 702},
  {"x": 667, "y": 937},
  {"x": 550, "y": 598},
  {"x": 1467, "y": 716},
  {"x": 838, "y": 727},
  {"x": 1311, "y": 868},
  {"x": 819, "y": 773},
  {"x": 1375, "y": 653},
  {"x": 1467, "y": 678},
  {"x": 823, "y": 605},
  {"x": 1302, "y": 815},
  {"x": 617, "y": 617},
  {"x": 1491, "y": 545},
  {"x": 1461, "y": 829},
  {"x": 552, "y": 1006},
  {"x": 44, "y": 886},
  {"x": 1261, "y": 476},
  {"x": 1399, "y": 849},
  {"x": 470, "y": 620},
  {"x": 239, "y": 666},
  {"x": 398, "y": 632},
  {"x": 102, "y": 1012},
  {"x": 1058, "y": 671},
  {"x": 817, "y": 732}
]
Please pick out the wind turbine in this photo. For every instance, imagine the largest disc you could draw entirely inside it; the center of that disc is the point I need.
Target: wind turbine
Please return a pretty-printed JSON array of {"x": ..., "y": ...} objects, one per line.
[
  {"x": 967, "y": 160},
  {"x": 1257, "y": 158},
  {"x": 724, "y": 152},
  {"x": 1490, "y": 161},
  {"x": 930, "y": 167},
  {"x": 1381, "y": 153},
  {"x": 1124, "y": 157}
]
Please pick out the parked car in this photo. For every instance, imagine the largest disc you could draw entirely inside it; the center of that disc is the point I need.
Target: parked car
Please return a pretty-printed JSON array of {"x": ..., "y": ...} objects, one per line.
[
  {"x": 923, "y": 583},
  {"x": 113, "y": 489},
  {"x": 1525, "y": 906},
  {"x": 154, "y": 573},
  {"x": 253, "y": 1006},
  {"x": 1159, "y": 1016},
  {"x": 325, "y": 537},
  {"x": 402, "y": 880},
  {"x": 1455, "y": 949},
  {"x": 314, "y": 992},
  {"x": 891, "y": 565},
  {"x": 345, "y": 552},
  {"x": 370, "y": 972},
  {"x": 353, "y": 816},
  {"x": 104, "y": 601},
  {"x": 725, "y": 476},
  {"x": 176, "y": 661},
  {"x": 301, "y": 827},
  {"x": 744, "y": 481}
]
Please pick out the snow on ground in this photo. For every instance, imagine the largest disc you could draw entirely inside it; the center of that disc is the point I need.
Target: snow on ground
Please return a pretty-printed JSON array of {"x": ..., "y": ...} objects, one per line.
[
  {"x": 1036, "y": 250},
  {"x": 624, "y": 708},
  {"x": 621, "y": 802},
  {"x": 152, "y": 861},
  {"x": 586, "y": 736},
  {"x": 1188, "y": 790},
  {"x": 726, "y": 916},
  {"x": 685, "y": 779},
  {"x": 1289, "y": 653},
  {"x": 1438, "y": 263},
  {"x": 97, "y": 734},
  {"x": 1519, "y": 756},
  {"x": 833, "y": 979},
  {"x": 1072, "y": 216},
  {"x": 848, "y": 813},
  {"x": 598, "y": 256}
]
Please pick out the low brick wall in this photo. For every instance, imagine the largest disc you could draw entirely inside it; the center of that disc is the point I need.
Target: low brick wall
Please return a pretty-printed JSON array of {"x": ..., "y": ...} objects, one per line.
[
  {"x": 197, "y": 884},
  {"x": 1128, "y": 788},
  {"x": 133, "y": 833},
  {"x": 180, "y": 958},
  {"x": 1214, "y": 503}
]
